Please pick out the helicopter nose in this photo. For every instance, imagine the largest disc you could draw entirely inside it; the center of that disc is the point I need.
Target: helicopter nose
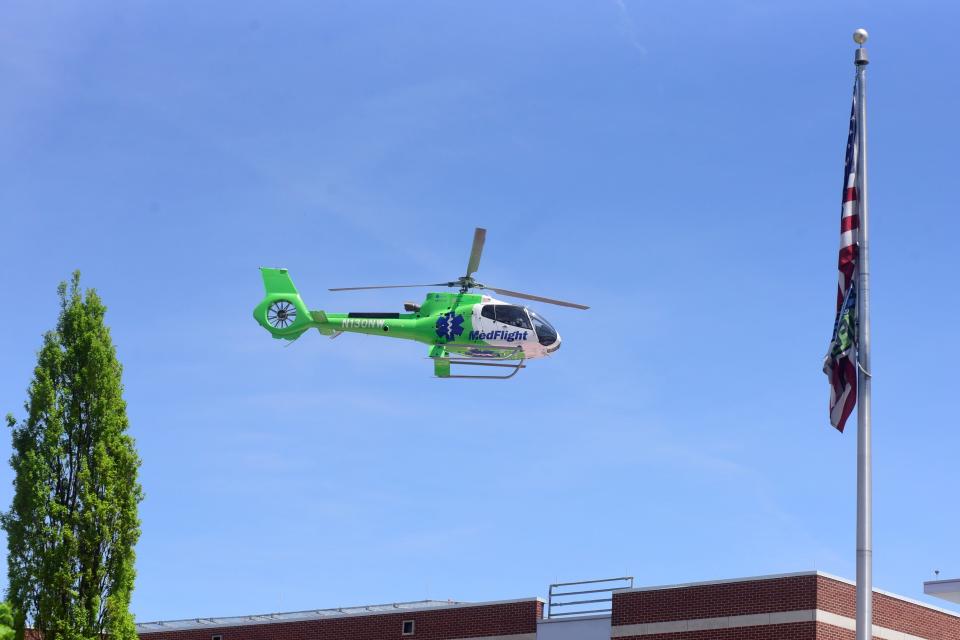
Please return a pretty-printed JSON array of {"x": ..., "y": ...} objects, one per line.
[{"x": 556, "y": 344}]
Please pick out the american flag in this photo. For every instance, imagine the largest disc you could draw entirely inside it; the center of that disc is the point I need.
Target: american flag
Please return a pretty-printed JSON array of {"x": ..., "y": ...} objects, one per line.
[{"x": 840, "y": 363}]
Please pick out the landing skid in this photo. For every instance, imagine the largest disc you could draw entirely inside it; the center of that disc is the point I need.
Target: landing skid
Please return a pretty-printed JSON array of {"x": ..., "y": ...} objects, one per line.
[
  {"x": 442, "y": 364},
  {"x": 473, "y": 363}
]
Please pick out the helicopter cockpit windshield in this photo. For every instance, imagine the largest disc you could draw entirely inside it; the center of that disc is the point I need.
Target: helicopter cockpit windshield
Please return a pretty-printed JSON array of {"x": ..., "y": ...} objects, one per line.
[
  {"x": 546, "y": 334},
  {"x": 510, "y": 314}
]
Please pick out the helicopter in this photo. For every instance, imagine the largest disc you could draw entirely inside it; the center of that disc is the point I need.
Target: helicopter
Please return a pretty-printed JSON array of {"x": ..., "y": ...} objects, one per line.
[{"x": 461, "y": 328}]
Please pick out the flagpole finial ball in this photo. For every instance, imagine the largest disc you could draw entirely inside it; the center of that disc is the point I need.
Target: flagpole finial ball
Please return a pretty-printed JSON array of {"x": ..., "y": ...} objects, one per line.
[{"x": 860, "y": 36}]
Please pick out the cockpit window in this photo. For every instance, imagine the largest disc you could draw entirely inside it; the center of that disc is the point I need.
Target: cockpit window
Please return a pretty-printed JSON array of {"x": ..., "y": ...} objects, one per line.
[
  {"x": 487, "y": 312},
  {"x": 512, "y": 315},
  {"x": 546, "y": 334}
]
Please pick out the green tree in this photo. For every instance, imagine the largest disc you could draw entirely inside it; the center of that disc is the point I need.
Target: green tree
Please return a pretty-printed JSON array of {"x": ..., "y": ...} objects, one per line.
[
  {"x": 6, "y": 622},
  {"x": 73, "y": 524}
]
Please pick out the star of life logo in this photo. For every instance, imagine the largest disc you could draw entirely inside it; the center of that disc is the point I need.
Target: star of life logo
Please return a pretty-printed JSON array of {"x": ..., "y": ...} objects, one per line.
[
  {"x": 506, "y": 336},
  {"x": 449, "y": 326}
]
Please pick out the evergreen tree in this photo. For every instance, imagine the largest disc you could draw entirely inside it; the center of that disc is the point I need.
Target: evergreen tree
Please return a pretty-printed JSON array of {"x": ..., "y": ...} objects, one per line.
[{"x": 73, "y": 523}]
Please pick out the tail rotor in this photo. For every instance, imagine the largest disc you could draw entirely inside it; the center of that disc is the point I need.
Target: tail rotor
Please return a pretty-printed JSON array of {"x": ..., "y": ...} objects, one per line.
[{"x": 282, "y": 312}]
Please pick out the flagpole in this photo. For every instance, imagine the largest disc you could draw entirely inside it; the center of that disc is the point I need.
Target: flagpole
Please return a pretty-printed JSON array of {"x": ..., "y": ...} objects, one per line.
[{"x": 864, "y": 622}]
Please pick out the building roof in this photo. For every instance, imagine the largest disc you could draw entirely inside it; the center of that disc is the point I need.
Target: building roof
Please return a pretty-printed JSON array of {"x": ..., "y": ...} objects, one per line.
[
  {"x": 291, "y": 616},
  {"x": 946, "y": 589},
  {"x": 774, "y": 576},
  {"x": 313, "y": 614}
]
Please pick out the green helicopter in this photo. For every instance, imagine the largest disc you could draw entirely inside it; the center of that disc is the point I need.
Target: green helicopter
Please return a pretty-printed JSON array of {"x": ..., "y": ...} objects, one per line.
[{"x": 461, "y": 328}]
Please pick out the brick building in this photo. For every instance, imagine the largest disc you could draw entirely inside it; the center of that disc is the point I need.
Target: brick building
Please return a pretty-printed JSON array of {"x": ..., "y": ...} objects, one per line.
[{"x": 798, "y": 606}]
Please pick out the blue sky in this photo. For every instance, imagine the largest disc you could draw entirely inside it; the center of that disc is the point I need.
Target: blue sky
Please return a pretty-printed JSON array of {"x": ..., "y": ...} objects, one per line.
[{"x": 676, "y": 165}]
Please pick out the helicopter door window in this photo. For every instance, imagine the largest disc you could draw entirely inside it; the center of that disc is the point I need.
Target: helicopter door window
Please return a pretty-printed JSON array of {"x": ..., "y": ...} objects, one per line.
[
  {"x": 488, "y": 312},
  {"x": 513, "y": 316}
]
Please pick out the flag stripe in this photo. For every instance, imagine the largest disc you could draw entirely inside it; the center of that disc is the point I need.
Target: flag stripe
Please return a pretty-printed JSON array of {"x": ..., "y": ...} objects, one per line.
[{"x": 849, "y": 222}]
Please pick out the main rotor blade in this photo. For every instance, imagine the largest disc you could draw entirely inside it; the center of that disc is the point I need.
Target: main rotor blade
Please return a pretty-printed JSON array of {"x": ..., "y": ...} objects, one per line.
[
  {"x": 393, "y": 286},
  {"x": 527, "y": 296},
  {"x": 479, "y": 237}
]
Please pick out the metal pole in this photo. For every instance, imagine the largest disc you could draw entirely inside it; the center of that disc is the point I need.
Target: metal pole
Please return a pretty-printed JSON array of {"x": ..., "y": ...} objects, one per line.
[{"x": 864, "y": 628}]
